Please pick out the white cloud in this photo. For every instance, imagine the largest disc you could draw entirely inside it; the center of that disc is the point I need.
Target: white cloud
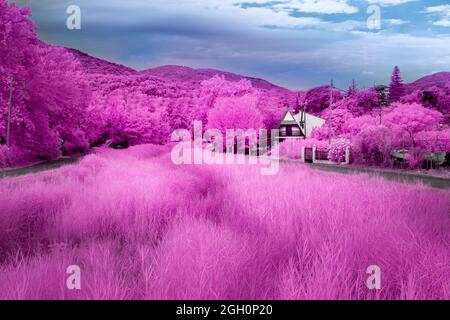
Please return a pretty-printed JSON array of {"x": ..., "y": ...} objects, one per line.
[
  {"x": 443, "y": 12},
  {"x": 442, "y": 23},
  {"x": 317, "y": 6},
  {"x": 445, "y": 9},
  {"x": 390, "y": 2},
  {"x": 396, "y": 22}
]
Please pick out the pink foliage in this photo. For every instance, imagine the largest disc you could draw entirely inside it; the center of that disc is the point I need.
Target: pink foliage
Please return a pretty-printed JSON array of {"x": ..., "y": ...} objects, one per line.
[
  {"x": 412, "y": 119},
  {"x": 142, "y": 228},
  {"x": 397, "y": 88},
  {"x": 318, "y": 99},
  {"x": 235, "y": 113},
  {"x": 360, "y": 102},
  {"x": 373, "y": 145},
  {"x": 338, "y": 149},
  {"x": 434, "y": 140},
  {"x": 49, "y": 96}
]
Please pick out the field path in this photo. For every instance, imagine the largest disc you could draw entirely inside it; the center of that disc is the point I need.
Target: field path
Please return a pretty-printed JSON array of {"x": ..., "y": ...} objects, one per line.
[{"x": 39, "y": 167}]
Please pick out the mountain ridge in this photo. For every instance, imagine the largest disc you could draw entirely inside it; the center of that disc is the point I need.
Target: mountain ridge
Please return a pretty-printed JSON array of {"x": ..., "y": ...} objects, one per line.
[
  {"x": 438, "y": 79},
  {"x": 96, "y": 65}
]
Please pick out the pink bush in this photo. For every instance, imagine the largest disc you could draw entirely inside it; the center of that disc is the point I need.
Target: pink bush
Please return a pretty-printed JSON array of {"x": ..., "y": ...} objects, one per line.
[
  {"x": 10, "y": 157},
  {"x": 434, "y": 140},
  {"x": 373, "y": 145},
  {"x": 338, "y": 149}
]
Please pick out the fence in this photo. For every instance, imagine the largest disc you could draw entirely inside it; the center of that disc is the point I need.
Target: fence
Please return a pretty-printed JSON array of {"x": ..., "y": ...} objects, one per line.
[{"x": 313, "y": 155}]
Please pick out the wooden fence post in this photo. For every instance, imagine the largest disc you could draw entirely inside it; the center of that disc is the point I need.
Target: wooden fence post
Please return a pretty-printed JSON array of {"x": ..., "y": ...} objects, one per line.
[
  {"x": 303, "y": 154},
  {"x": 314, "y": 154},
  {"x": 347, "y": 155}
]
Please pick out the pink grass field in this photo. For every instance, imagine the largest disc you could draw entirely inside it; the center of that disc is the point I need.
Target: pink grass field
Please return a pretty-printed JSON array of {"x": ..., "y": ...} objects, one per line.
[{"x": 140, "y": 227}]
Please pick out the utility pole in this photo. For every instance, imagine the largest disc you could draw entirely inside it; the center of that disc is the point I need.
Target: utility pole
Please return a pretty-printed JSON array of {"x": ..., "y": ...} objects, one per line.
[
  {"x": 329, "y": 109},
  {"x": 8, "y": 128},
  {"x": 1, "y": 139},
  {"x": 381, "y": 92}
]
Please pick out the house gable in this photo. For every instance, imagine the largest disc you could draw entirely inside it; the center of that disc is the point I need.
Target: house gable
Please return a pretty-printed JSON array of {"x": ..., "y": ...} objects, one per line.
[
  {"x": 288, "y": 117},
  {"x": 305, "y": 121}
]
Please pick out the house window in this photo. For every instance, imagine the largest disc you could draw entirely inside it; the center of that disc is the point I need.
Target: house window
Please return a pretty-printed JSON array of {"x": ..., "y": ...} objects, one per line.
[
  {"x": 283, "y": 131},
  {"x": 296, "y": 131}
]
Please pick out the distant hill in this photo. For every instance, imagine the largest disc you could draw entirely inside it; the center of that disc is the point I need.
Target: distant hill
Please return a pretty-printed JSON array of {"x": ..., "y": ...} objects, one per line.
[
  {"x": 186, "y": 74},
  {"x": 93, "y": 65},
  {"x": 439, "y": 79}
]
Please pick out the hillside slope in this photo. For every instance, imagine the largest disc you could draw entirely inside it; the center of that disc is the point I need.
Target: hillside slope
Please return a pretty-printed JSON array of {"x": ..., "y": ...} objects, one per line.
[
  {"x": 186, "y": 74},
  {"x": 440, "y": 79}
]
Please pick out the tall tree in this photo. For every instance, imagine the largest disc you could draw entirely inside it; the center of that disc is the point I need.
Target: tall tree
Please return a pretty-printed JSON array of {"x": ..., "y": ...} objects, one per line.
[
  {"x": 352, "y": 90},
  {"x": 397, "y": 88},
  {"x": 412, "y": 119},
  {"x": 236, "y": 113}
]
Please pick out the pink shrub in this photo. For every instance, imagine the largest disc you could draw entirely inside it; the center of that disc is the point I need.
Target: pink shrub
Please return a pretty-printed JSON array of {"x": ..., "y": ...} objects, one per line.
[
  {"x": 11, "y": 157},
  {"x": 373, "y": 145},
  {"x": 338, "y": 149},
  {"x": 434, "y": 140}
]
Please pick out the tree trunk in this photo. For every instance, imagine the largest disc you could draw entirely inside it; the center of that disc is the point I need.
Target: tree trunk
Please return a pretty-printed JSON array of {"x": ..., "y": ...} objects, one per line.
[{"x": 8, "y": 128}]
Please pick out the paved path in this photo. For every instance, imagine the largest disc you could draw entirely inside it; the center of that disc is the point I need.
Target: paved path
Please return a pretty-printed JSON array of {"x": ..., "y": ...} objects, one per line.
[
  {"x": 388, "y": 174},
  {"x": 393, "y": 175},
  {"x": 44, "y": 166}
]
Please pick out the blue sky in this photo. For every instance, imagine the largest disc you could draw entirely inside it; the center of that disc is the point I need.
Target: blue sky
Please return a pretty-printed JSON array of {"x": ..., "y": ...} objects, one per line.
[{"x": 294, "y": 43}]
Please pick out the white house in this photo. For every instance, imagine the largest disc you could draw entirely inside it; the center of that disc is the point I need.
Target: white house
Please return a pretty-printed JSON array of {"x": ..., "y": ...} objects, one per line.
[{"x": 298, "y": 125}]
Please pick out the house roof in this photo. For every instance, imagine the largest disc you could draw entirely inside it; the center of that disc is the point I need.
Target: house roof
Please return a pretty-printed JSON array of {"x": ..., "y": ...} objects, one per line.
[
  {"x": 308, "y": 116},
  {"x": 290, "y": 118}
]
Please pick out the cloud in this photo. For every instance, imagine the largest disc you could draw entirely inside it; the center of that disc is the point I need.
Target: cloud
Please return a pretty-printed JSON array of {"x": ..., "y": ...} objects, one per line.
[
  {"x": 389, "y": 2},
  {"x": 317, "y": 6},
  {"x": 298, "y": 44},
  {"x": 396, "y": 22},
  {"x": 443, "y": 11},
  {"x": 442, "y": 23}
]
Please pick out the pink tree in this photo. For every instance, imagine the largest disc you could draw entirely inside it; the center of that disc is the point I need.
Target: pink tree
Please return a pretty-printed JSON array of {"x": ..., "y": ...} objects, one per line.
[
  {"x": 235, "y": 113},
  {"x": 437, "y": 140},
  {"x": 437, "y": 99},
  {"x": 352, "y": 90},
  {"x": 126, "y": 119},
  {"x": 18, "y": 56},
  {"x": 361, "y": 102},
  {"x": 216, "y": 87},
  {"x": 397, "y": 88},
  {"x": 412, "y": 119},
  {"x": 59, "y": 89},
  {"x": 318, "y": 99}
]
